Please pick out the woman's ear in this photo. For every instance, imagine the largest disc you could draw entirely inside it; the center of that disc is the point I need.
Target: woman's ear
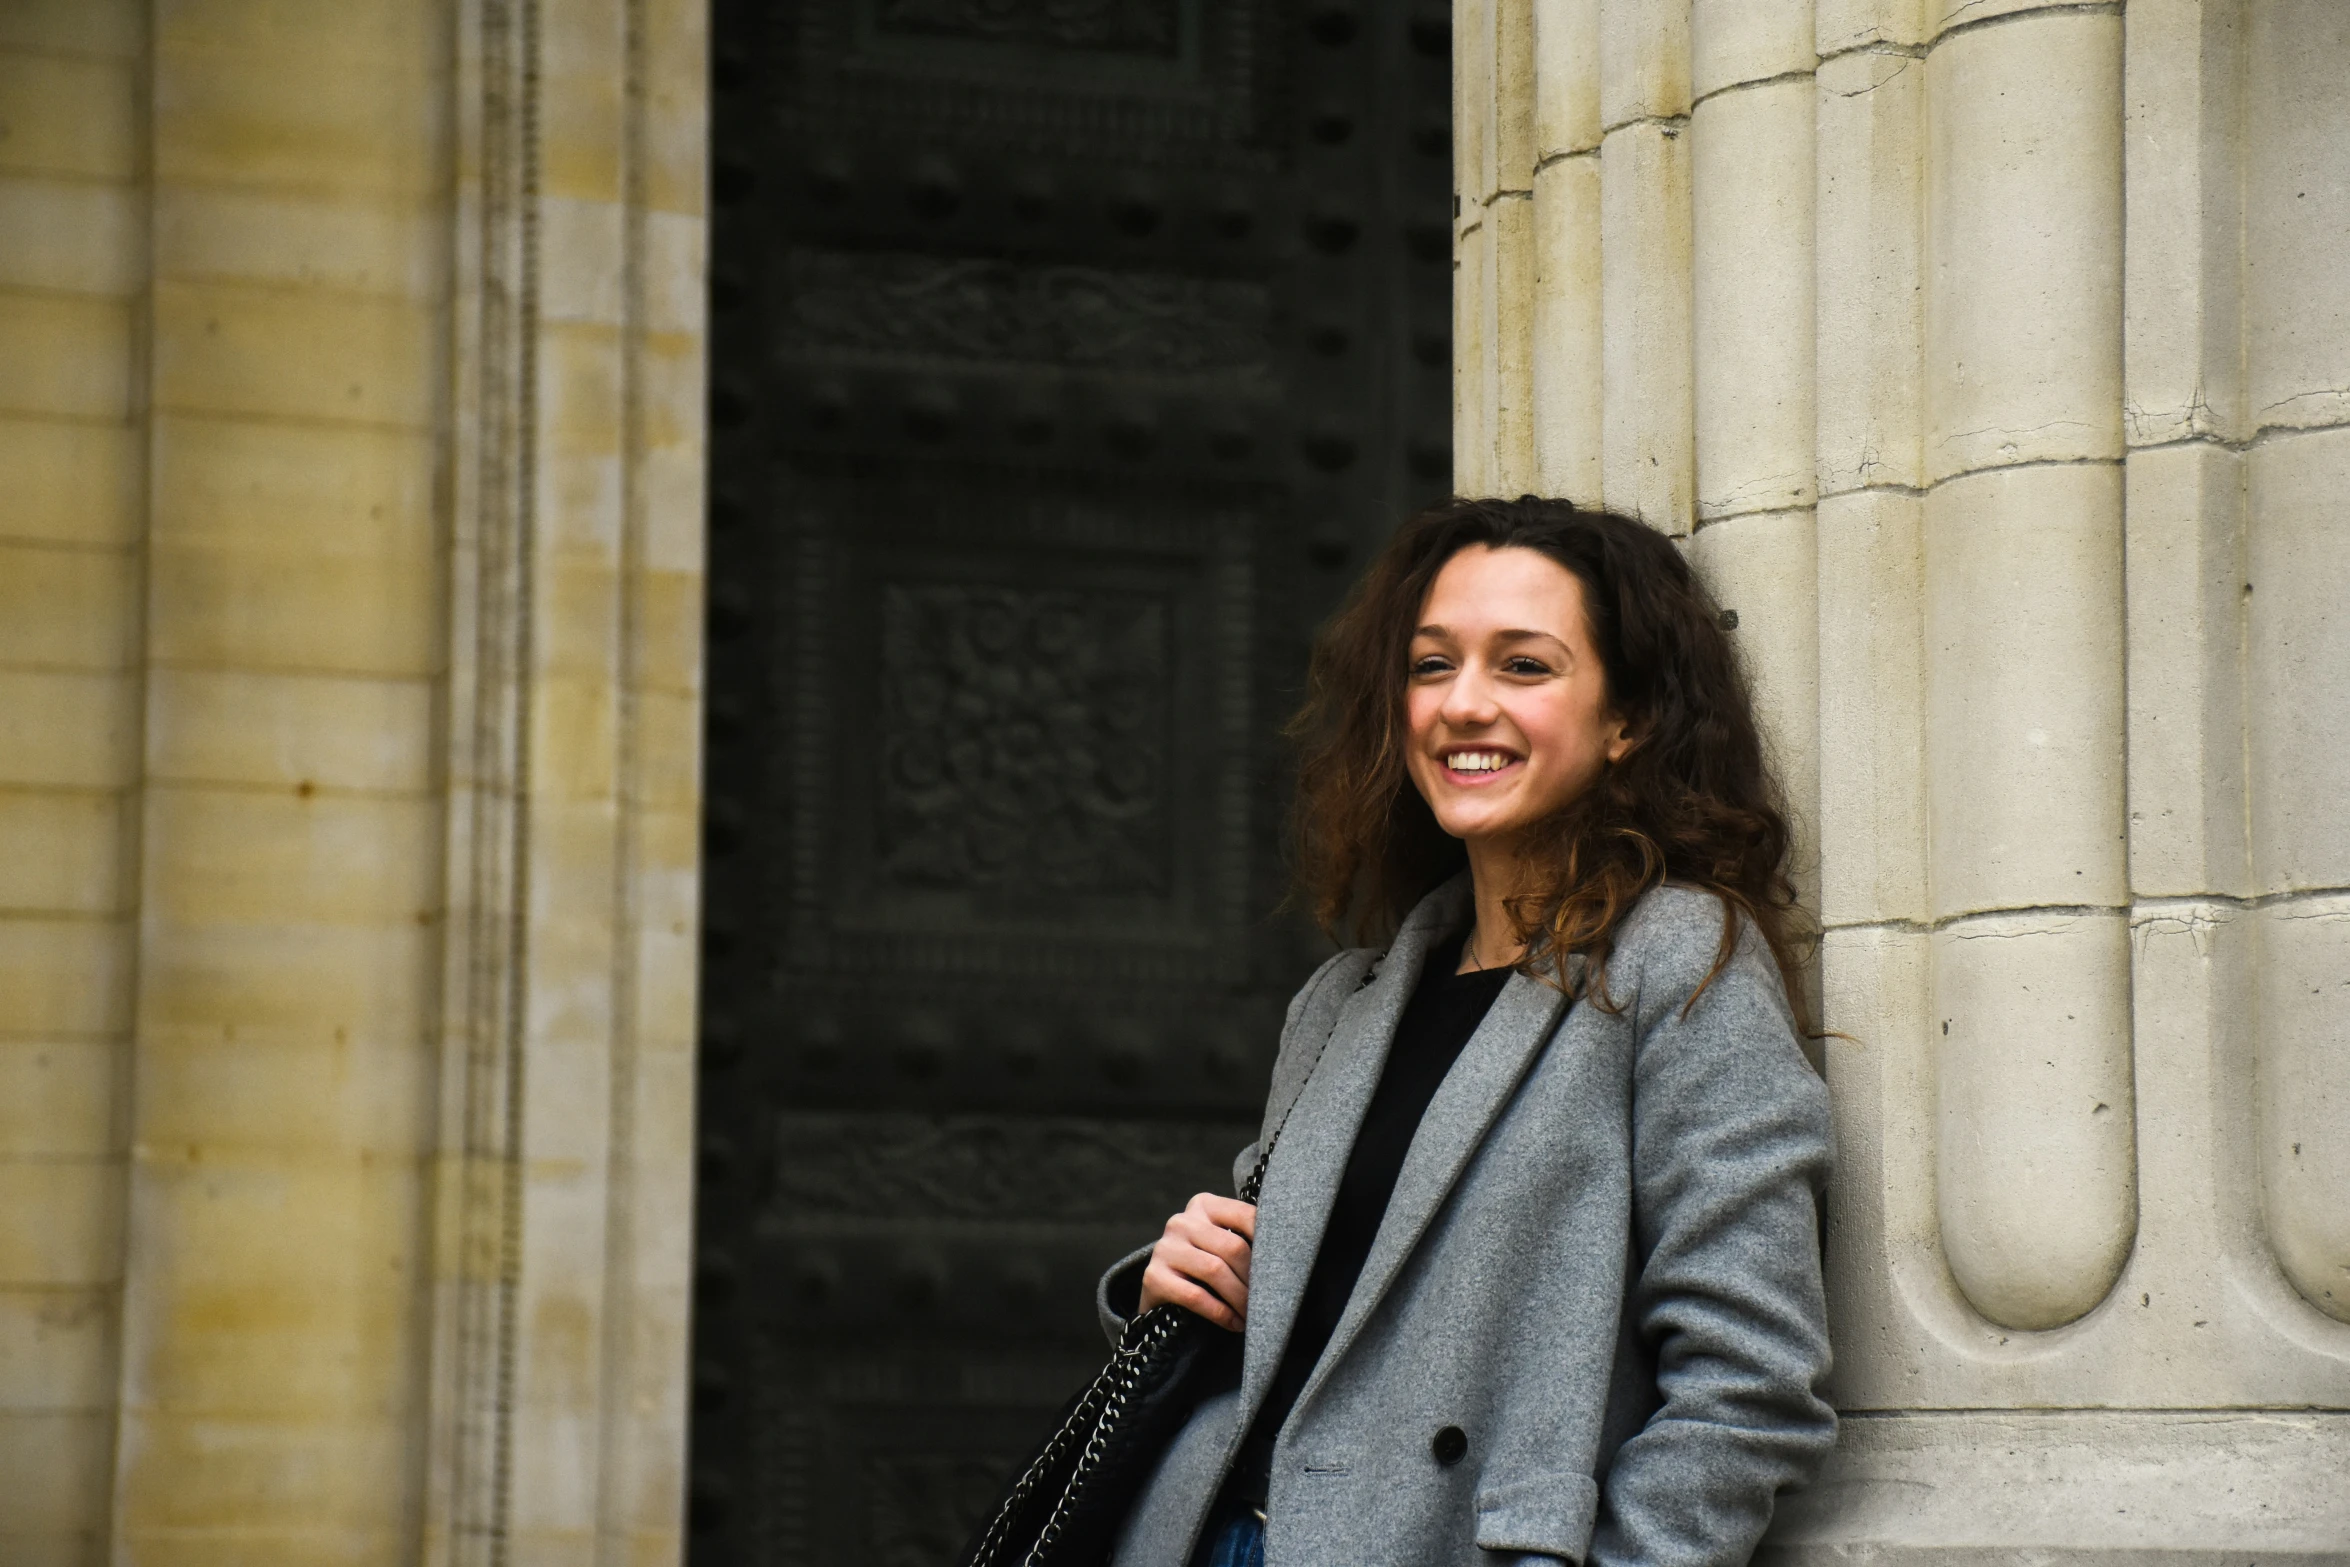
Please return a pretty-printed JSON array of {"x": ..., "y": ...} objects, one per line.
[{"x": 1621, "y": 740}]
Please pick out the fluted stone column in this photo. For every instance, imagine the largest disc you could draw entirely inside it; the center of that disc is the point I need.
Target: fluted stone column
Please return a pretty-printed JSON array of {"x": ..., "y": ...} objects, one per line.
[{"x": 1989, "y": 360}]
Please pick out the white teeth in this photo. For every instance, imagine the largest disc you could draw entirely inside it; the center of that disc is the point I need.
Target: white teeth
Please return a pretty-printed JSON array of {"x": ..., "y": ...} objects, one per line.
[{"x": 1476, "y": 761}]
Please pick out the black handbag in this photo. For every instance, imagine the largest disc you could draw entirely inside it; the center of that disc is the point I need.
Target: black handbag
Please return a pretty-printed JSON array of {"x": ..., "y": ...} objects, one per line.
[{"x": 1065, "y": 1507}]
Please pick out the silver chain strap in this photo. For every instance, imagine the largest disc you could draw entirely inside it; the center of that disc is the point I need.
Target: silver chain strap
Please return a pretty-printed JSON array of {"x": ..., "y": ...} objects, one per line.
[{"x": 1102, "y": 1410}]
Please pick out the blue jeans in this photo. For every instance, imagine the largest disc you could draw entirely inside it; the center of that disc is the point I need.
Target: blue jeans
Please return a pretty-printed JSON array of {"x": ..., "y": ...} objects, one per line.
[{"x": 1234, "y": 1537}]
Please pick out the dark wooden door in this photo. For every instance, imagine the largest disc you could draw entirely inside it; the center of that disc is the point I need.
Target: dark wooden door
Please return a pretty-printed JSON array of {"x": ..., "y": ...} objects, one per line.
[{"x": 1067, "y": 357}]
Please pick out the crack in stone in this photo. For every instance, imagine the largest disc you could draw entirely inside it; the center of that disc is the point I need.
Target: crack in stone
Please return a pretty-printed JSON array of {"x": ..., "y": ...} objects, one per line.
[
  {"x": 2010, "y": 436},
  {"x": 2200, "y": 417},
  {"x": 1907, "y": 57},
  {"x": 1951, "y": 29},
  {"x": 1779, "y": 80},
  {"x": 2315, "y": 392},
  {"x": 1670, "y": 124}
]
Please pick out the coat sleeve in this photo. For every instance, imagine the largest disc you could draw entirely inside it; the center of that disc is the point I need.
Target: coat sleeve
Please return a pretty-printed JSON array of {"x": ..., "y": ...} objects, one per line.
[
  {"x": 1120, "y": 1288},
  {"x": 1730, "y": 1151},
  {"x": 1120, "y": 1292}
]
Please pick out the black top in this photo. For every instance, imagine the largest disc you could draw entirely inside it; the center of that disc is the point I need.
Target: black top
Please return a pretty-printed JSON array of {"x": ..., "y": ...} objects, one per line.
[{"x": 1444, "y": 1011}]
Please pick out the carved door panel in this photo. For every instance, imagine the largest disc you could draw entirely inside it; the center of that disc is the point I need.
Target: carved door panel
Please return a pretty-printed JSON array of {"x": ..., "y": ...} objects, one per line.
[{"x": 1067, "y": 356}]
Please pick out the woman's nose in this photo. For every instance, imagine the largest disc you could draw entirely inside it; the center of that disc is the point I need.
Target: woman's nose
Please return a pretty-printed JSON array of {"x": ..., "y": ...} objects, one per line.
[{"x": 1469, "y": 700}]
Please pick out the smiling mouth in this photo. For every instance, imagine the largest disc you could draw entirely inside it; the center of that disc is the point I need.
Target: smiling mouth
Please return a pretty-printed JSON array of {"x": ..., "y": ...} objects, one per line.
[{"x": 1477, "y": 765}]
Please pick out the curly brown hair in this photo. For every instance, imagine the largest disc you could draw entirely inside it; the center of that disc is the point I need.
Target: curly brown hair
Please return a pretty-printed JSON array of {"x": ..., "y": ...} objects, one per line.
[{"x": 1694, "y": 801}]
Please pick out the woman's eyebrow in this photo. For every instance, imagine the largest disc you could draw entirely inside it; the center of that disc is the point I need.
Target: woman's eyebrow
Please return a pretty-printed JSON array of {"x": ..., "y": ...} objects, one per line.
[{"x": 1515, "y": 634}]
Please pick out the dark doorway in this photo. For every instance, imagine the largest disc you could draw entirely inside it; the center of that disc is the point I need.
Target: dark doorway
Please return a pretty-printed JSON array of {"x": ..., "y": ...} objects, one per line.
[{"x": 1067, "y": 357}]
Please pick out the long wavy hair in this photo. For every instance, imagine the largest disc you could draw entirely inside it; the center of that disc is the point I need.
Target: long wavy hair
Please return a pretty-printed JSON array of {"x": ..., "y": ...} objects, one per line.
[{"x": 1694, "y": 801}]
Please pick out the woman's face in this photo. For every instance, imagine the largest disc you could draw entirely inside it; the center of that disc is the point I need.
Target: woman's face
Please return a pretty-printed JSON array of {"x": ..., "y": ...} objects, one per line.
[{"x": 1506, "y": 700}]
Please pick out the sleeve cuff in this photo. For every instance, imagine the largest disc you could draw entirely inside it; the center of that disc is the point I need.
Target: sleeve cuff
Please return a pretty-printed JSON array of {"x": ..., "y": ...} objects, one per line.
[{"x": 1119, "y": 1294}]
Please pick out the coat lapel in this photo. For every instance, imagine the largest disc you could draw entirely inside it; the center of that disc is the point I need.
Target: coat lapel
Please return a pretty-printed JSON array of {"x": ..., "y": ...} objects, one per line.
[
  {"x": 1309, "y": 1156},
  {"x": 1481, "y": 1082}
]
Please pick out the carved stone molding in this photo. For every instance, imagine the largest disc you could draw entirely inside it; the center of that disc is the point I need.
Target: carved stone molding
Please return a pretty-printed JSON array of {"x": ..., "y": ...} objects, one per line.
[
  {"x": 492, "y": 448},
  {"x": 572, "y": 440},
  {"x": 1132, "y": 80},
  {"x": 1034, "y": 1169},
  {"x": 911, "y": 307},
  {"x": 1109, "y": 26}
]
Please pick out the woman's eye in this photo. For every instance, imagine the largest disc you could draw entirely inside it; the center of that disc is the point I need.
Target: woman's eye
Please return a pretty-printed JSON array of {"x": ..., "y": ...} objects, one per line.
[
  {"x": 1526, "y": 666},
  {"x": 1431, "y": 665}
]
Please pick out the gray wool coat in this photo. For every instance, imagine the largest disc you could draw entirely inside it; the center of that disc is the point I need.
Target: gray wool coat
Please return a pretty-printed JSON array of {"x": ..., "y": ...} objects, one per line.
[{"x": 1600, "y": 1266}]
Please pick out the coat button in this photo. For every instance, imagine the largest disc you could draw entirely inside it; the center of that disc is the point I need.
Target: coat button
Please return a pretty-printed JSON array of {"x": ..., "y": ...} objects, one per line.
[{"x": 1450, "y": 1445}]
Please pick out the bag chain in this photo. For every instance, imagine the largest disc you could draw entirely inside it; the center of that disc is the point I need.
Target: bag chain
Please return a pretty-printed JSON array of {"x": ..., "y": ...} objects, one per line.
[{"x": 1102, "y": 1410}]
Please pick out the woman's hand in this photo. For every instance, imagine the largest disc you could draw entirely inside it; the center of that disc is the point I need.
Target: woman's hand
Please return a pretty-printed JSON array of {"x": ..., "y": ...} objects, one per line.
[{"x": 1201, "y": 1262}]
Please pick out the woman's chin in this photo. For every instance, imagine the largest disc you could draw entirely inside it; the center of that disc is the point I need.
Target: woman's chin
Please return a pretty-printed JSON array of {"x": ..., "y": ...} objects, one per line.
[{"x": 1482, "y": 827}]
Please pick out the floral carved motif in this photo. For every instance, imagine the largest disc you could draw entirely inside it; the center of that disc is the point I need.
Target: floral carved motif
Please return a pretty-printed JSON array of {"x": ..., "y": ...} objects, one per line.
[{"x": 1024, "y": 740}]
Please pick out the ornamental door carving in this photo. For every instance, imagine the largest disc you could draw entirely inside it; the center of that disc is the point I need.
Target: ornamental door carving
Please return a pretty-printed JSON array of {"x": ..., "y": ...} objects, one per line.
[{"x": 1067, "y": 357}]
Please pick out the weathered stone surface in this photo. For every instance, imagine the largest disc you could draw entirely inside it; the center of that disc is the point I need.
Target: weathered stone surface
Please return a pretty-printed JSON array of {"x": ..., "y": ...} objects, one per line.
[
  {"x": 2296, "y": 211},
  {"x": 2182, "y": 146},
  {"x": 2297, "y": 674},
  {"x": 2024, "y": 693},
  {"x": 2065, "y": 1488},
  {"x": 1568, "y": 328},
  {"x": 2024, "y": 229},
  {"x": 1870, "y": 301},
  {"x": 1738, "y": 41},
  {"x": 2183, "y": 511},
  {"x": 2033, "y": 1096},
  {"x": 1764, "y": 568},
  {"x": 2074, "y": 286},
  {"x": 1566, "y": 78},
  {"x": 1646, "y": 407},
  {"x": 1872, "y": 827},
  {"x": 2305, "y": 1095},
  {"x": 1643, "y": 60},
  {"x": 1751, "y": 189}
]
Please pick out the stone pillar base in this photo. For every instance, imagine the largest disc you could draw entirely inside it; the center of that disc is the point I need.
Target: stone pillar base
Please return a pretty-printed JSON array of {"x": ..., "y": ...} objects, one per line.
[{"x": 2180, "y": 1489}]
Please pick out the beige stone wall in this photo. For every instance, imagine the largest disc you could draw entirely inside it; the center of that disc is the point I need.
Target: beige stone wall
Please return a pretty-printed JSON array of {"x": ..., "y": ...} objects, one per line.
[
  {"x": 72, "y": 530},
  {"x": 279, "y": 1113},
  {"x": 349, "y": 670},
  {"x": 1989, "y": 361}
]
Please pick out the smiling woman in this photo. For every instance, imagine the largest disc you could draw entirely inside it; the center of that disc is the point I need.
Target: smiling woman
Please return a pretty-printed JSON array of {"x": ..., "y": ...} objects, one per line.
[
  {"x": 1572, "y": 724},
  {"x": 1534, "y": 1270},
  {"x": 1507, "y": 714}
]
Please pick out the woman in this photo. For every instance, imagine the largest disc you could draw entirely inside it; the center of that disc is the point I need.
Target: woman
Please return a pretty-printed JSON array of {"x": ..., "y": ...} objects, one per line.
[{"x": 1535, "y": 1273}]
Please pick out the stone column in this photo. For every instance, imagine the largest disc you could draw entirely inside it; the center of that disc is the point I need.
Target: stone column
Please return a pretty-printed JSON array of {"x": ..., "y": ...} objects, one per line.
[
  {"x": 1990, "y": 358},
  {"x": 561, "y": 1226},
  {"x": 350, "y": 647}
]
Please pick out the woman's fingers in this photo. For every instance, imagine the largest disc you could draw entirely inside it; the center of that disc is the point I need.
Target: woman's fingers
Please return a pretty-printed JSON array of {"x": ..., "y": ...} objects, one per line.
[
  {"x": 1226, "y": 1246},
  {"x": 1218, "y": 1272},
  {"x": 1162, "y": 1285},
  {"x": 1184, "y": 1274},
  {"x": 1228, "y": 1213},
  {"x": 1201, "y": 1262}
]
